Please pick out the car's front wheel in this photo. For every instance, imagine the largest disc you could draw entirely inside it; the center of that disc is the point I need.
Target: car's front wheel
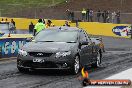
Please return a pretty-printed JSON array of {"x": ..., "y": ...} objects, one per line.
[
  {"x": 76, "y": 66},
  {"x": 22, "y": 70},
  {"x": 98, "y": 60}
]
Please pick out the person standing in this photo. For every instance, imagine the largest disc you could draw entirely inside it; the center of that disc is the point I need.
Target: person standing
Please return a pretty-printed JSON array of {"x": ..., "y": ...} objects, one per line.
[
  {"x": 113, "y": 17},
  {"x": 6, "y": 21},
  {"x": 14, "y": 25},
  {"x": 31, "y": 27},
  {"x": 11, "y": 27},
  {"x": 39, "y": 26},
  {"x": 68, "y": 14},
  {"x": 104, "y": 16},
  {"x": 118, "y": 17},
  {"x": 107, "y": 16},
  {"x": 2, "y": 21},
  {"x": 91, "y": 15},
  {"x": 83, "y": 14},
  {"x": 66, "y": 24},
  {"x": 49, "y": 24},
  {"x": 87, "y": 15},
  {"x": 72, "y": 15},
  {"x": 98, "y": 15},
  {"x": 13, "y": 22}
]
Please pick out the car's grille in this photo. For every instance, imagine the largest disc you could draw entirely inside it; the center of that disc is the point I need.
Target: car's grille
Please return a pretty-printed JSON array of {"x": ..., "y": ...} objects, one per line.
[
  {"x": 40, "y": 65},
  {"x": 40, "y": 54}
]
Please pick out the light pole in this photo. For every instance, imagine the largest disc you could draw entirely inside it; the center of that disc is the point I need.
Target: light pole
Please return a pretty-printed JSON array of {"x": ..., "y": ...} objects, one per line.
[
  {"x": 122, "y": 1},
  {"x": 0, "y": 12},
  {"x": 35, "y": 13},
  {"x": 131, "y": 31}
]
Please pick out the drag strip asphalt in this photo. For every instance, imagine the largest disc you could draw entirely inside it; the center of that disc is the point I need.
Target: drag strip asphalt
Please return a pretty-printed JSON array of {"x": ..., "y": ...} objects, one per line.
[{"x": 117, "y": 58}]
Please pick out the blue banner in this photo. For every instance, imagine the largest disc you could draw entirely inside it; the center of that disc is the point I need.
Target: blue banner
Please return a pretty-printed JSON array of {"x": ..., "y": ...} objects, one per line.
[{"x": 9, "y": 46}]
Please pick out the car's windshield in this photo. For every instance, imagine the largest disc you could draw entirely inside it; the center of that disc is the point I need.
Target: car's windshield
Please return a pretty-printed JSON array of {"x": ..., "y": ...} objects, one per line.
[{"x": 56, "y": 36}]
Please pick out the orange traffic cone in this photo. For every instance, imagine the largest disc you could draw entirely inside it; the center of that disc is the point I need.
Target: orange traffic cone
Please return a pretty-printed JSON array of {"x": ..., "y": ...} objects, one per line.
[{"x": 9, "y": 35}]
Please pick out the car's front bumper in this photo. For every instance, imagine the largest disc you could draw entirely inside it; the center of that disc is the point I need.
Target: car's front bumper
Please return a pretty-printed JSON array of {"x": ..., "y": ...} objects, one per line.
[{"x": 49, "y": 62}]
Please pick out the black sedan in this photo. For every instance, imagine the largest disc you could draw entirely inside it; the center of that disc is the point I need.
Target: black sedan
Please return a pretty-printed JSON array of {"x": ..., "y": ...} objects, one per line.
[{"x": 66, "y": 48}]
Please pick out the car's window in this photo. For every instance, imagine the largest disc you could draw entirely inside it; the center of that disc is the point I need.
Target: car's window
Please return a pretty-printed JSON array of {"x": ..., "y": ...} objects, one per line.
[
  {"x": 83, "y": 36},
  {"x": 56, "y": 36}
]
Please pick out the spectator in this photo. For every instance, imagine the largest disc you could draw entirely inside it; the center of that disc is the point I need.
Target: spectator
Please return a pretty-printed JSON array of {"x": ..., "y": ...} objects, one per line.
[
  {"x": 2, "y": 21},
  {"x": 6, "y": 21},
  {"x": 104, "y": 16},
  {"x": 14, "y": 25},
  {"x": 98, "y": 15},
  {"x": 39, "y": 26},
  {"x": 77, "y": 23},
  {"x": 118, "y": 17},
  {"x": 72, "y": 16},
  {"x": 31, "y": 27},
  {"x": 87, "y": 15},
  {"x": 113, "y": 17},
  {"x": 66, "y": 24},
  {"x": 68, "y": 14},
  {"x": 91, "y": 15},
  {"x": 11, "y": 27},
  {"x": 49, "y": 24},
  {"x": 13, "y": 22},
  {"x": 83, "y": 14},
  {"x": 43, "y": 21},
  {"x": 107, "y": 16}
]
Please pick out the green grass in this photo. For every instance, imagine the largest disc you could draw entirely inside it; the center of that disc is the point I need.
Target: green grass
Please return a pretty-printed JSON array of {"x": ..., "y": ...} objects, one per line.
[
  {"x": 11, "y": 6},
  {"x": 30, "y": 2}
]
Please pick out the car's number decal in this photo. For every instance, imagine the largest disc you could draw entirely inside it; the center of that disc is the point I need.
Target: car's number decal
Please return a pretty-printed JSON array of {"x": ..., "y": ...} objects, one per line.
[{"x": 39, "y": 60}]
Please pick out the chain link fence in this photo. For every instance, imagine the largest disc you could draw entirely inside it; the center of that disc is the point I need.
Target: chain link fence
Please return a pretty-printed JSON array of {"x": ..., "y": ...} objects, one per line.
[
  {"x": 125, "y": 18},
  {"x": 39, "y": 11}
]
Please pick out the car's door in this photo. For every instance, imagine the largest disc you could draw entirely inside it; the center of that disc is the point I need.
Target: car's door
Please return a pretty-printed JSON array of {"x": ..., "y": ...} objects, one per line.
[{"x": 85, "y": 49}]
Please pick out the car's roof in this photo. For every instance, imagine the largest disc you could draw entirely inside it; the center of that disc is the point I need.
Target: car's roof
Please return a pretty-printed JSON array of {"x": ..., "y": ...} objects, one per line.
[{"x": 64, "y": 28}]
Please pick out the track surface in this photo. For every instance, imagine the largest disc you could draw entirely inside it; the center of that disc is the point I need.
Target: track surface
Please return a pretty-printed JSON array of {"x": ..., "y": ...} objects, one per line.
[{"x": 118, "y": 57}]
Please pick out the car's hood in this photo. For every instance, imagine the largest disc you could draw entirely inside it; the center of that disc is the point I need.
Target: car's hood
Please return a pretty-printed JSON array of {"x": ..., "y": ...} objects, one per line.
[{"x": 48, "y": 46}]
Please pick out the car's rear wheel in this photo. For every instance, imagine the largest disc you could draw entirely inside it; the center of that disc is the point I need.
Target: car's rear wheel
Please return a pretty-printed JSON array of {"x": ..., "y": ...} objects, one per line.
[
  {"x": 98, "y": 60},
  {"x": 76, "y": 66}
]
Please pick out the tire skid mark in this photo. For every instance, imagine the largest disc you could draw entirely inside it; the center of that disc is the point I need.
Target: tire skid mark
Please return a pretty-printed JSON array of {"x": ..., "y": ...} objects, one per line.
[
  {"x": 53, "y": 81},
  {"x": 113, "y": 68},
  {"x": 9, "y": 75}
]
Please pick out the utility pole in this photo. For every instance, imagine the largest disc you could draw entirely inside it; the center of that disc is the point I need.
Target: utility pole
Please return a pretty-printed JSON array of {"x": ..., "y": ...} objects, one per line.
[
  {"x": 122, "y": 1},
  {"x": 35, "y": 13},
  {"x": 0, "y": 12},
  {"x": 121, "y": 4}
]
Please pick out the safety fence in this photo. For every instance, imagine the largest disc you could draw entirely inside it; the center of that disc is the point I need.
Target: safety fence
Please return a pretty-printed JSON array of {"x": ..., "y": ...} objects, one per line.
[
  {"x": 40, "y": 12},
  {"x": 124, "y": 17}
]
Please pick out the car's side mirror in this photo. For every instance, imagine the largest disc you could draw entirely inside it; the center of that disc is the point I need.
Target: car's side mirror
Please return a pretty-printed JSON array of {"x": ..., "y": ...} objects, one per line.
[{"x": 84, "y": 43}]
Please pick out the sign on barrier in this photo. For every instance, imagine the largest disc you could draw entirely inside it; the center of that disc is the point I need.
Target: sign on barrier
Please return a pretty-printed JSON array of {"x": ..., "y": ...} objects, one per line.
[
  {"x": 122, "y": 30},
  {"x": 9, "y": 47}
]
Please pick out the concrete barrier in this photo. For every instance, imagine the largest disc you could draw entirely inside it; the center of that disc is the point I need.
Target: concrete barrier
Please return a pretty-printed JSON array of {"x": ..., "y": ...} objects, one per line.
[
  {"x": 94, "y": 28},
  {"x": 105, "y": 29}
]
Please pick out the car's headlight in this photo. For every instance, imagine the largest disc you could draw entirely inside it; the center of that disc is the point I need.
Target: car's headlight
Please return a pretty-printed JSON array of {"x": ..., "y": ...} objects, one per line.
[
  {"x": 22, "y": 52},
  {"x": 62, "y": 54}
]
